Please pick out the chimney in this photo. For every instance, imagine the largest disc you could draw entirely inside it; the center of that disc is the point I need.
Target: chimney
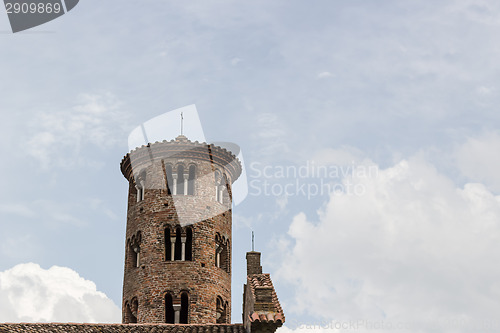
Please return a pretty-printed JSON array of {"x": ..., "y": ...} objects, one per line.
[{"x": 253, "y": 263}]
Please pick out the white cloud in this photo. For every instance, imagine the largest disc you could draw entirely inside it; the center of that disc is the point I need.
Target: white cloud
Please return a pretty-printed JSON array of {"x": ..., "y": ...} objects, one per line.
[
  {"x": 414, "y": 250},
  {"x": 482, "y": 90},
  {"x": 29, "y": 293},
  {"x": 282, "y": 202},
  {"x": 271, "y": 134},
  {"x": 478, "y": 159},
  {"x": 17, "y": 209},
  {"x": 324, "y": 75},
  {"x": 235, "y": 61},
  {"x": 60, "y": 136},
  {"x": 343, "y": 156}
]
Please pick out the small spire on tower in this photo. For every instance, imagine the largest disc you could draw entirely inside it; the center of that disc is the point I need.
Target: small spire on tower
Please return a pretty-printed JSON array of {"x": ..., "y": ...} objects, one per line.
[{"x": 182, "y": 123}]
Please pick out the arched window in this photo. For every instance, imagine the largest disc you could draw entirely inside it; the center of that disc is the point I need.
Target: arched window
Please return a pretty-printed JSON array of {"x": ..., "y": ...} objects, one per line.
[
  {"x": 222, "y": 252},
  {"x": 184, "y": 308},
  {"x": 189, "y": 244},
  {"x": 168, "y": 245},
  {"x": 218, "y": 310},
  {"x": 169, "y": 309},
  {"x": 129, "y": 317},
  {"x": 226, "y": 188},
  {"x": 134, "y": 250},
  {"x": 192, "y": 174},
  {"x": 135, "y": 255},
  {"x": 180, "y": 179},
  {"x": 140, "y": 186},
  {"x": 221, "y": 186},
  {"x": 170, "y": 180},
  {"x": 221, "y": 307},
  {"x": 218, "y": 177},
  {"x": 178, "y": 245},
  {"x": 218, "y": 249},
  {"x": 134, "y": 311}
]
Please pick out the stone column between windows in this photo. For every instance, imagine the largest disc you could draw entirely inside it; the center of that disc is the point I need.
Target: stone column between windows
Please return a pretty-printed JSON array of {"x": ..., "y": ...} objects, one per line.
[
  {"x": 137, "y": 255},
  {"x": 183, "y": 252},
  {"x": 174, "y": 176},
  {"x": 218, "y": 250},
  {"x": 137, "y": 189},
  {"x": 172, "y": 248},
  {"x": 221, "y": 194},
  {"x": 177, "y": 316},
  {"x": 186, "y": 178}
]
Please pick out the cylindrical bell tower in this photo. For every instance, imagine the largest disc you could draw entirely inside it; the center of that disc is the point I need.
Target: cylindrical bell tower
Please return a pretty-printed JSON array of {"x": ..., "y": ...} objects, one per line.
[{"x": 178, "y": 238}]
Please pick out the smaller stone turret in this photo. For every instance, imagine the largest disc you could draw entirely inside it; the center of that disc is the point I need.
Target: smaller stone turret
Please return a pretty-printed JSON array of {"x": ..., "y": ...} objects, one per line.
[{"x": 262, "y": 311}]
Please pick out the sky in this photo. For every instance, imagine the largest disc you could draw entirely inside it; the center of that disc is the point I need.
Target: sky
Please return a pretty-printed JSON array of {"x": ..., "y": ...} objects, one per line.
[{"x": 370, "y": 134}]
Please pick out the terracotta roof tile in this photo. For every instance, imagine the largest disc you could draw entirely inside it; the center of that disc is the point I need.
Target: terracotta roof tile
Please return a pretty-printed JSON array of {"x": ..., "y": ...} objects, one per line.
[
  {"x": 120, "y": 328},
  {"x": 276, "y": 315}
]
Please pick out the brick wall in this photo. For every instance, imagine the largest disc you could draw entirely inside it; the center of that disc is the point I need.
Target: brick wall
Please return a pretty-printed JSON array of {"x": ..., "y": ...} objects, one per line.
[{"x": 253, "y": 263}]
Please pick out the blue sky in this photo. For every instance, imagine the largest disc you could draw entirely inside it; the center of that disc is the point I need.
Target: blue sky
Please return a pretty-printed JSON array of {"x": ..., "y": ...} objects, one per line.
[{"x": 410, "y": 88}]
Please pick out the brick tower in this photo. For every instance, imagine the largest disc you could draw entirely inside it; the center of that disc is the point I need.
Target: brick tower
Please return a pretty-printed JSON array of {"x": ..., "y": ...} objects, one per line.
[{"x": 178, "y": 237}]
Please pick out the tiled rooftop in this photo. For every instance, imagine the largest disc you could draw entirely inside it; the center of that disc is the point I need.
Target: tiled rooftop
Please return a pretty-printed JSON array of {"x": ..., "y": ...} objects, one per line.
[
  {"x": 256, "y": 281},
  {"x": 121, "y": 328}
]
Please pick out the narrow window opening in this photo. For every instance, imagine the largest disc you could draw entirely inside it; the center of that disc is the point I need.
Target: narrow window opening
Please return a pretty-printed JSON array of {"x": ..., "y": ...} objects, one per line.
[
  {"x": 180, "y": 179},
  {"x": 129, "y": 317},
  {"x": 189, "y": 244},
  {"x": 134, "y": 309},
  {"x": 169, "y": 310},
  {"x": 220, "y": 319},
  {"x": 184, "y": 309},
  {"x": 192, "y": 172},
  {"x": 227, "y": 190},
  {"x": 134, "y": 250},
  {"x": 168, "y": 245}
]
